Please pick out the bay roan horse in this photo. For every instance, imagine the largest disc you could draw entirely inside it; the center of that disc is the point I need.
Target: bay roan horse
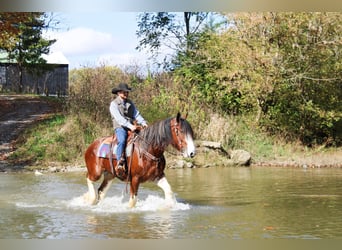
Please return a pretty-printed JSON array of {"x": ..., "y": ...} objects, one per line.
[{"x": 146, "y": 161}]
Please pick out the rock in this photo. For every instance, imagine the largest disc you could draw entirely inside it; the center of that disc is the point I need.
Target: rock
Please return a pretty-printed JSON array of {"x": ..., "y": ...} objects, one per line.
[
  {"x": 176, "y": 163},
  {"x": 209, "y": 144},
  {"x": 52, "y": 169},
  {"x": 210, "y": 154},
  {"x": 240, "y": 157},
  {"x": 179, "y": 164},
  {"x": 189, "y": 164},
  {"x": 37, "y": 173}
]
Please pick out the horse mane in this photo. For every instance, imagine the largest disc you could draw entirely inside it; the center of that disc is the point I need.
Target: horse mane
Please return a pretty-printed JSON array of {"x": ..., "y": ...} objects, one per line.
[{"x": 159, "y": 133}]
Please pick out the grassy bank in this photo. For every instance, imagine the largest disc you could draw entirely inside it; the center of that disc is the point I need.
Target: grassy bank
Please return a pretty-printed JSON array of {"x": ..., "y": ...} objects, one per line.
[
  {"x": 59, "y": 140},
  {"x": 62, "y": 139}
]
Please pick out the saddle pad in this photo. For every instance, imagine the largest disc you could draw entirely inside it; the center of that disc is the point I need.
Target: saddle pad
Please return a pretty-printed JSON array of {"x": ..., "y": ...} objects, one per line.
[{"x": 104, "y": 150}]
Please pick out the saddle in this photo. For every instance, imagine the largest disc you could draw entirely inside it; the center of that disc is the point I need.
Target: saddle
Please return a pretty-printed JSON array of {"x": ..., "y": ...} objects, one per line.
[
  {"x": 109, "y": 145},
  {"x": 108, "y": 148}
]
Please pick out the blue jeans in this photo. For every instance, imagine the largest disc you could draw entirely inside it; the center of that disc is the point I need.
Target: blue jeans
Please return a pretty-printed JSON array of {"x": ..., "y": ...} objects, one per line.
[{"x": 121, "y": 135}]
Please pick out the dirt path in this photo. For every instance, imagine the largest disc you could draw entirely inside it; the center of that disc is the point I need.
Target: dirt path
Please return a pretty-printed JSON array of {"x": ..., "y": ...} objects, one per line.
[{"x": 17, "y": 113}]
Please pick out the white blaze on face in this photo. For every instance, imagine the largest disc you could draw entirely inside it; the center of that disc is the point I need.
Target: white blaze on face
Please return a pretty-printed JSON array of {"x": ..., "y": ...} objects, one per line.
[{"x": 190, "y": 150}]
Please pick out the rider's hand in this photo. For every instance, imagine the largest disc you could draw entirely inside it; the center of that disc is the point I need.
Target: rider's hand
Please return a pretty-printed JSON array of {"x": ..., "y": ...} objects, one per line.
[{"x": 134, "y": 128}]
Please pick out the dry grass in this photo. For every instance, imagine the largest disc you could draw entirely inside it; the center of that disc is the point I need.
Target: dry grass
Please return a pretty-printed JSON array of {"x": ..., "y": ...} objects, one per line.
[{"x": 218, "y": 129}]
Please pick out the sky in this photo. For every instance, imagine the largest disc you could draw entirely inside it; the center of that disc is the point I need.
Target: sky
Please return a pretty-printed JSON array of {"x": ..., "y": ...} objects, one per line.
[{"x": 96, "y": 38}]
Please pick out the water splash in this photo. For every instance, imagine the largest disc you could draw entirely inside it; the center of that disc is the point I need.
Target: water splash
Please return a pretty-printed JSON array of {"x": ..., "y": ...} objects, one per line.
[{"x": 119, "y": 204}]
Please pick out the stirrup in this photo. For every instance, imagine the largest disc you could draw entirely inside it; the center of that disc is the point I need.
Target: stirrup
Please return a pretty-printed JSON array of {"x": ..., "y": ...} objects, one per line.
[
  {"x": 121, "y": 162},
  {"x": 120, "y": 168}
]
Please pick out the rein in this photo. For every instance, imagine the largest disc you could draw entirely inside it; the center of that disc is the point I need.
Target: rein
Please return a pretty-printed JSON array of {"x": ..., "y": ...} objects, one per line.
[
  {"x": 111, "y": 155},
  {"x": 145, "y": 152}
]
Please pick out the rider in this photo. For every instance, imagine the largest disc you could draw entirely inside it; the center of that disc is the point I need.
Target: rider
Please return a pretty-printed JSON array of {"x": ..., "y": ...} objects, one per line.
[{"x": 124, "y": 115}]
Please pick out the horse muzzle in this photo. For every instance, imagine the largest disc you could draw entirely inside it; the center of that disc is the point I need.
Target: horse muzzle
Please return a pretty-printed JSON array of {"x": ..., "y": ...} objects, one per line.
[
  {"x": 189, "y": 154},
  {"x": 190, "y": 150}
]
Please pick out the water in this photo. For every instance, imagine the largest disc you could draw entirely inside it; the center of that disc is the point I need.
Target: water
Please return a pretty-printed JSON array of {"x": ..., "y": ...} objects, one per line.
[{"x": 212, "y": 203}]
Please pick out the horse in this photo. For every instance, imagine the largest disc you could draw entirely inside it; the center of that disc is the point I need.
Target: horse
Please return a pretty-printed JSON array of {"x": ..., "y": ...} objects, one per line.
[{"x": 145, "y": 161}]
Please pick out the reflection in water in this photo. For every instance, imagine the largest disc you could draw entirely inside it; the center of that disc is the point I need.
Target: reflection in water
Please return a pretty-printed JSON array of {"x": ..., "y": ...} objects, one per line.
[
  {"x": 233, "y": 203},
  {"x": 148, "y": 220}
]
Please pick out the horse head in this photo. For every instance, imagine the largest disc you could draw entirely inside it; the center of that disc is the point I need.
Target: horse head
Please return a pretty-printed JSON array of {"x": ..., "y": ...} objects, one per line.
[{"x": 182, "y": 136}]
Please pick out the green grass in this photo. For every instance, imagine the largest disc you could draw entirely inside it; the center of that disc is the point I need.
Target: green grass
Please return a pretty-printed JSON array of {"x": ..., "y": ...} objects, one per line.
[
  {"x": 33, "y": 145},
  {"x": 62, "y": 139}
]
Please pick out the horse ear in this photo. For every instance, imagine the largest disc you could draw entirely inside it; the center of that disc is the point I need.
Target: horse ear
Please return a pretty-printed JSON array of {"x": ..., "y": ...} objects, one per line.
[
  {"x": 186, "y": 116},
  {"x": 178, "y": 117}
]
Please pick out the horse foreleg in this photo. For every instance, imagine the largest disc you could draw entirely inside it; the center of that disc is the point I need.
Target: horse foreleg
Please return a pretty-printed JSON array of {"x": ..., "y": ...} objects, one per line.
[
  {"x": 169, "y": 196},
  {"x": 133, "y": 192},
  {"x": 91, "y": 195},
  {"x": 105, "y": 185},
  {"x": 132, "y": 201}
]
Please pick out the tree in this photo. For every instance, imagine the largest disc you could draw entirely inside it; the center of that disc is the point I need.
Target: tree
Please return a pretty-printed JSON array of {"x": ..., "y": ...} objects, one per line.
[
  {"x": 282, "y": 68},
  {"x": 308, "y": 95},
  {"x": 9, "y": 26},
  {"x": 174, "y": 31},
  {"x": 28, "y": 44}
]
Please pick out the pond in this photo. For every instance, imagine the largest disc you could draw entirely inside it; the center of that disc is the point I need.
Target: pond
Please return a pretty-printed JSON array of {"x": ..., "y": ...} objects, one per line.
[{"x": 212, "y": 203}]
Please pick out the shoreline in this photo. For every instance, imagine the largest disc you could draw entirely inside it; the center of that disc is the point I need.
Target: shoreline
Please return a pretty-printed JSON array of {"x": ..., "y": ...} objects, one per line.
[
  {"x": 295, "y": 165},
  {"x": 6, "y": 167}
]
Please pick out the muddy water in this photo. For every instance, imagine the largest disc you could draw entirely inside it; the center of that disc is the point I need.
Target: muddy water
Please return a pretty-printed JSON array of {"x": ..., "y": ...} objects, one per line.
[{"x": 212, "y": 203}]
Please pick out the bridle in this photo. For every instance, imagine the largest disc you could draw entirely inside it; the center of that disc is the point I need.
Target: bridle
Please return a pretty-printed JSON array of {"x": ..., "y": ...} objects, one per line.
[
  {"x": 175, "y": 126},
  {"x": 179, "y": 145}
]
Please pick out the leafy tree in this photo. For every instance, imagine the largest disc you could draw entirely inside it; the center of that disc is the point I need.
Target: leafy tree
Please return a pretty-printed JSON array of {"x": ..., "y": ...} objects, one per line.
[
  {"x": 284, "y": 68},
  {"x": 309, "y": 46},
  {"x": 9, "y": 26},
  {"x": 177, "y": 32},
  {"x": 212, "y": 71},
  {"x": 28, "y": 44}
]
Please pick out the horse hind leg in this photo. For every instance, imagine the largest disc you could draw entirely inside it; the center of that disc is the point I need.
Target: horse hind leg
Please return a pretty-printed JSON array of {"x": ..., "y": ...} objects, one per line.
[
  {"x": 105, "y": 185},
  {"x": 169, "y": 196},
  {"x": 91, "y": 196}
]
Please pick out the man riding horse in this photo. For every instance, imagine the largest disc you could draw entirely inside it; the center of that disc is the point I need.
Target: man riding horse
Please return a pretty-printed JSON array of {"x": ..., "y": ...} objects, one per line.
[{"x": 124, "y": 115}]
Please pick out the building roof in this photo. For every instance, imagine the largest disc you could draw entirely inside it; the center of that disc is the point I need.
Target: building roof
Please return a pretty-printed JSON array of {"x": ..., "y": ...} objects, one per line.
[
  {"x": 53, "y": 58},
  {"x": 56, "y": 58}
]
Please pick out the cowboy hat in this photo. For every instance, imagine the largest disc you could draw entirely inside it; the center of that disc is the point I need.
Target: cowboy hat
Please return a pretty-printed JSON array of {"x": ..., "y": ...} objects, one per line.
[{"x": 121, "y": 87}]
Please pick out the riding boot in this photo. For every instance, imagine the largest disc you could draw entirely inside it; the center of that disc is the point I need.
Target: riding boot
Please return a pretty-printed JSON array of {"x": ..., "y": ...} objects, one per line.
[{"x": 120, "y": 168}]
